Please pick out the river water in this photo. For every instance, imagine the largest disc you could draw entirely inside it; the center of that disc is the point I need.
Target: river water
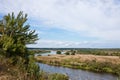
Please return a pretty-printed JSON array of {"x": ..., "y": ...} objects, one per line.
[
  {"x": 76, "y": 74},
  {"x": 51, "y": 53}
]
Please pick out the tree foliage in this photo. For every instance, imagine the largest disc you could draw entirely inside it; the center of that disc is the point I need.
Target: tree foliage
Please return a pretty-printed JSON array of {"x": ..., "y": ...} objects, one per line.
[
  {"x": 58, "y": 52},
  {"x": 15, "y": 34}
]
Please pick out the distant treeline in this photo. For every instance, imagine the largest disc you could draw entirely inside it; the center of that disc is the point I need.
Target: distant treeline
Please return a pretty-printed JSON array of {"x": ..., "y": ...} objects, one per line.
[
  {"x": 113, "y": 49},
  {"x": 94, "y": 51},
  {"x": 104, "y": 52}
]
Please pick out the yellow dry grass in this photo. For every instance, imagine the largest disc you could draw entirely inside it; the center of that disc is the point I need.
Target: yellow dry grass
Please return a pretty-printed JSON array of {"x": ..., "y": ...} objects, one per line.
[{"x": 80, "y": 57}]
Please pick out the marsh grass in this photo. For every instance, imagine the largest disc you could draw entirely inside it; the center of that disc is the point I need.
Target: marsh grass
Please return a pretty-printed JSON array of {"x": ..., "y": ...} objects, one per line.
[{"x": 94, "y": 64}]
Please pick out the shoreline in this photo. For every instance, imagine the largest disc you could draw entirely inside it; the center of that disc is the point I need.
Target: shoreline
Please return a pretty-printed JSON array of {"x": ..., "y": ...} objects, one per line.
[{"x": 100, "y": 64}]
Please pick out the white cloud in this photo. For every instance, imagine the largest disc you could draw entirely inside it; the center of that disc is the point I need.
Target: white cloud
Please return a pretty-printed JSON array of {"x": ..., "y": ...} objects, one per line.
[
  {"x": 57, "y": 44},
  {"x": 96, "y": 18},
  {"x": 72, "y": 44}
]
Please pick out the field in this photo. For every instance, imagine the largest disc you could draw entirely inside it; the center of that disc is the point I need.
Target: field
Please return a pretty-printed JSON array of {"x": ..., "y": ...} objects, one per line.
[
  {"x": 81, "y": 58},
  {"x": 90, "y": 62}
]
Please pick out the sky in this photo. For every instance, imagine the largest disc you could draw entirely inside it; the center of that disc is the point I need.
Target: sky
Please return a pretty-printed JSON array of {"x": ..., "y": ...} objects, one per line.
[{"x": 70, "y": 23}]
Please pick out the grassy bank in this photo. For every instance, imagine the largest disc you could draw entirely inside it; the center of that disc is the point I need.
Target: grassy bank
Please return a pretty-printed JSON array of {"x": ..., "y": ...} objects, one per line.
[
  {"x": 109, "y": 64},
  {"x": 18, "y": 71}
]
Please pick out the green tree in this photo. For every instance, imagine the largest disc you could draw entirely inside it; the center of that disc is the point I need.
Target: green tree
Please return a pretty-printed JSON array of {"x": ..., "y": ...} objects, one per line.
[
  {"x": 15, "y": 34},
  {"x": 58, "y": 52}
]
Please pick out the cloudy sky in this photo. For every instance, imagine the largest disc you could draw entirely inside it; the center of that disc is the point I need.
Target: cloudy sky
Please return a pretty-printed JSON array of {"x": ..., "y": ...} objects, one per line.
[{"x": 70, "y": 23}]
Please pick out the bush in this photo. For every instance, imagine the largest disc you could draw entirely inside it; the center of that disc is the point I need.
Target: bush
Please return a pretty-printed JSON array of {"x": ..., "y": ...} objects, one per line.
[
  {"x": 58, "y": 52},
  {"x": 72, "y": 53},
  {"x": 48, "y": 54},
  {"x": 67, "y": 53}
]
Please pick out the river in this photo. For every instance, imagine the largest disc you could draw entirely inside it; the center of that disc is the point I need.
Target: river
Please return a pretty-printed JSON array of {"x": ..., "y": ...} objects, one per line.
[{"x": 76, "y": 74}]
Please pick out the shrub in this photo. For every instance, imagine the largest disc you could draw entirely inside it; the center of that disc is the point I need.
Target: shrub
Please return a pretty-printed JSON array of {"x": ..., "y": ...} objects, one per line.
[
  {"x": 58, "y": 52},
  {"x": 48, "y": 54},
  {"x": 67, "y": 53},
  {"x": 73, "y": 53}
]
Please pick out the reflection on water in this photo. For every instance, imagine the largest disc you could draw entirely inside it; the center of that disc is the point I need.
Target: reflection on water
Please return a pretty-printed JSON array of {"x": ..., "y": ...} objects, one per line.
[
  {"x": 46, "y": 54},
  {"x": 75, "y": 74},
  {"x": 51, "y": 53}
]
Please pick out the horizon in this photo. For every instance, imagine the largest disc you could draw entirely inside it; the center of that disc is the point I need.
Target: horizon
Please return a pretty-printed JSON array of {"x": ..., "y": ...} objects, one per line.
[
  {"x": 70, "y": 23},
  {"x": 71, "y": 48}
]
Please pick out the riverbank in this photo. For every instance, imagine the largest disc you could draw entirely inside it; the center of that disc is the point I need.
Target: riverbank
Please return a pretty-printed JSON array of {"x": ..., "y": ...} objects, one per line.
[
  {"x": 109, "y": 64},
  {"x": 18, "y": 71}
]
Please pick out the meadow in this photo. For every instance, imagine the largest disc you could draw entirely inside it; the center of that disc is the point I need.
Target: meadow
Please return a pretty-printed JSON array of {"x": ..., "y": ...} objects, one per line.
[{"x": 107, "y": 61}]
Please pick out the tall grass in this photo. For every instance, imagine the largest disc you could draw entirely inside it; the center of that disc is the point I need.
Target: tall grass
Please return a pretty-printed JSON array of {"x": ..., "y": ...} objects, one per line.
[
  {"x": 17, "y": 70},
  {"x": 92, "y": 65}
]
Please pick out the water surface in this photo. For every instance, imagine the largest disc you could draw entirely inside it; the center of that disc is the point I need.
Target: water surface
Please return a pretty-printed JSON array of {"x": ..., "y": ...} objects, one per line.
[
  {"x": 77, "y": 74},
  {"x": 52, "y": 52}
]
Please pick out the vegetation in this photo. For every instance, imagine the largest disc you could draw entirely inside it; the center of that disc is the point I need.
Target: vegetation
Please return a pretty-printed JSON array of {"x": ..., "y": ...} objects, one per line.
[
  {"x": 73, "y": 52},
  {"x": 85, "y": 62},
  {"x": 105, "y": 52},
  {"x": 94, "y": 51},
  {"x": 57, "y": 76},
  {"x": 39, "y": 51},
  {"x": 58, "y": 52},
  {"x": 67, "y": 53},
  {"x": 18, "y": 61},
  {"x": 19, "y": 64}
]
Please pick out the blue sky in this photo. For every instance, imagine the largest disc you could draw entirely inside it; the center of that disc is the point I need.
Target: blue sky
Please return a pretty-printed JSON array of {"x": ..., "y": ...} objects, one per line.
[{"x": 70, "y": 23}]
